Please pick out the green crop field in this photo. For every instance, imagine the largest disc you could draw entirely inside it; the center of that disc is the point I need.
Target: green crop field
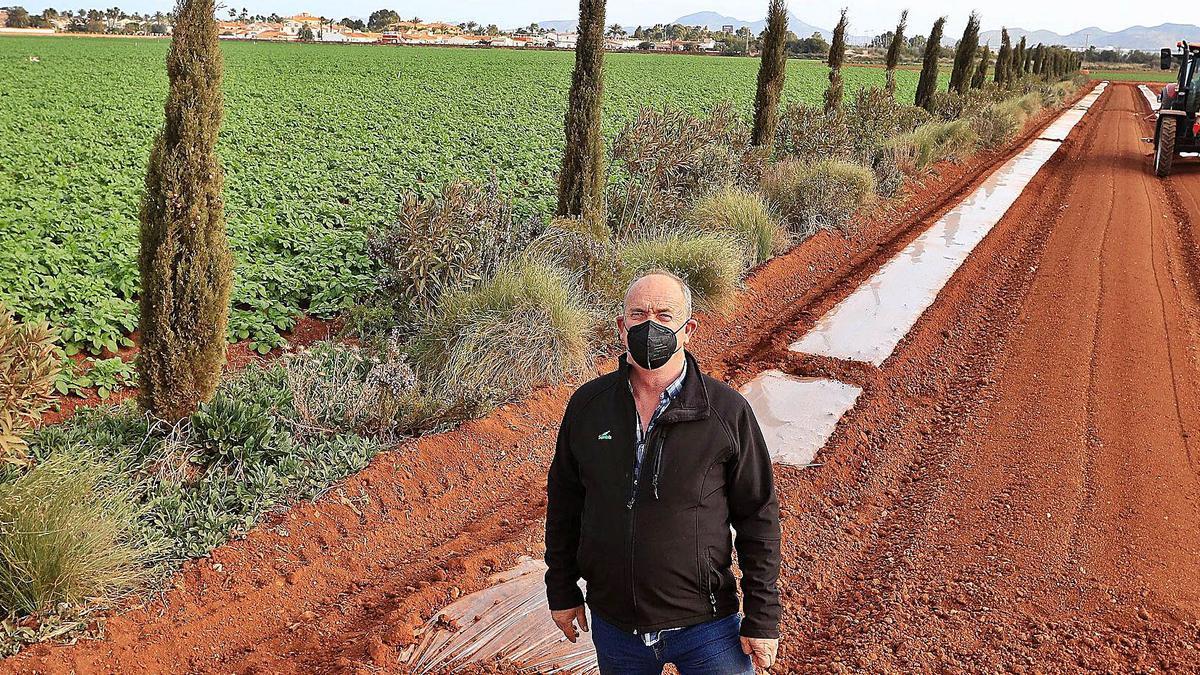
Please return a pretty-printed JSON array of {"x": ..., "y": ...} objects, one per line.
[
  {"x": 318, "y": 144},
  {"x": 1134, "y": 75}
]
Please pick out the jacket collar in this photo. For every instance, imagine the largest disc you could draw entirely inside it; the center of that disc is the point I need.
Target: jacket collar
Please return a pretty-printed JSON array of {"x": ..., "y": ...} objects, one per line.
[{"x": 692, "y": 402}]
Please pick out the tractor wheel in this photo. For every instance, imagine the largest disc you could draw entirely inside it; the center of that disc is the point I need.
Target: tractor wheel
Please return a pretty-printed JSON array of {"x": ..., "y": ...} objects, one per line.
[{"x": 1164, "y": 147}]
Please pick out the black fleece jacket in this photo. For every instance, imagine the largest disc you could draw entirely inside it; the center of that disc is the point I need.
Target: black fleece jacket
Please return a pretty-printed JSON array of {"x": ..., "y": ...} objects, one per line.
[{"x": 658, "y": 554}]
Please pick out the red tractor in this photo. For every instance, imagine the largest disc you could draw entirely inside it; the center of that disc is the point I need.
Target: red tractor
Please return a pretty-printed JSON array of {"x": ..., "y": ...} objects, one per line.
[{"x": 1177, "y": 129}]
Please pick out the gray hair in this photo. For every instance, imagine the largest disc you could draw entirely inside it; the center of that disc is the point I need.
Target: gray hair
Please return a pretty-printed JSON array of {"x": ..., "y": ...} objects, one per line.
[{"x": 683, "y": 288}]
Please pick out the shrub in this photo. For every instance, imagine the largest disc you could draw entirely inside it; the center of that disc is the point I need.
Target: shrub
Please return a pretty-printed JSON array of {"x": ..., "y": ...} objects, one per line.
[
  {"x": 68, "y": 533},
  {"x": 442, "y": 244},
  {"x": 933, "y": 142},
  {"x": 876, "y": 117},
  {"x": 712, "y": 264},
  {"x": 744, "y": 215},
  {"x": 337, "y": 388},
  {"x": 812, "y": 133},
  {"x": 333, "y": 389},
  {"x": 667, "y": 159},
  {"x": 29, "y": 367},
  {"x": 525, "y": 327},
  {"x": 817, "y": 195}
]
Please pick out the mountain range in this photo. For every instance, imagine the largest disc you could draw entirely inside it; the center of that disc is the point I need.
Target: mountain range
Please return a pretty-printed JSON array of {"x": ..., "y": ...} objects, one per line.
[{"x": 1147, "y": 38}]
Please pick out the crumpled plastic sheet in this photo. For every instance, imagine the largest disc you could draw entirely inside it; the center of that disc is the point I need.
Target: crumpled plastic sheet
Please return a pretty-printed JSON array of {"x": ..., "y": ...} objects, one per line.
[{"x": 509, "y": 621}]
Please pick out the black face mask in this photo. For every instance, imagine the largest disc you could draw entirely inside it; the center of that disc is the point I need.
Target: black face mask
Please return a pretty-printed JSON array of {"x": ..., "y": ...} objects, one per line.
[{"x": 652, "y": 344}]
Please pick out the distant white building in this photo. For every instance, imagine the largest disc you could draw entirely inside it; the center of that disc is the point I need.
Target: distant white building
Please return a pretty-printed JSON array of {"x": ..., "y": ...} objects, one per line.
[{"x": 561, "y": 40}]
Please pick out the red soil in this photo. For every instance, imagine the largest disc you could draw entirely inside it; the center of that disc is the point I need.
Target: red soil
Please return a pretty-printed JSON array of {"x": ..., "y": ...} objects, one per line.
[
  {"x": 306, "y": 331},
  {"x": 1015, "y": 490}
]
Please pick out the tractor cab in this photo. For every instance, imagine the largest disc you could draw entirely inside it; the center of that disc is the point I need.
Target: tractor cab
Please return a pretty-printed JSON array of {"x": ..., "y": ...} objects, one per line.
[{"x": 1176, "y": 129}]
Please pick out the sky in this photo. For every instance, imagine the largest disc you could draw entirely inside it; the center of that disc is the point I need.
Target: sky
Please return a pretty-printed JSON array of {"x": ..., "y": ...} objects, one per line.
[{"x": 867, "y": 17}]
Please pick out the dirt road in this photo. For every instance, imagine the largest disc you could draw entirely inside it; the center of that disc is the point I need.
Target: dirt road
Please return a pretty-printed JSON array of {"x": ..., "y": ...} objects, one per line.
[{"x": 1017, "y": 489}]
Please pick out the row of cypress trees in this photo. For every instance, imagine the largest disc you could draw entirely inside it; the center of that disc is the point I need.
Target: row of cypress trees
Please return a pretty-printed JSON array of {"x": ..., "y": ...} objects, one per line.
[{"x": 185, "y": 262}]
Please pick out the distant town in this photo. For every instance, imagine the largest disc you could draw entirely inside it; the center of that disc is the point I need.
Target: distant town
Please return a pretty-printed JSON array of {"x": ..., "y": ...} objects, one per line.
[{"x": 387, "y": 27}]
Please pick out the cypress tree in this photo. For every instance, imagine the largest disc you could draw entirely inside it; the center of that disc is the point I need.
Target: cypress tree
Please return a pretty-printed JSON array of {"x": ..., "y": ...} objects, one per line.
[
  {"x": 929, "y": 67},
  {"x": 771, "y": 71},
  {"x": 581, "y": 180},
  {"x": 893, "y": 53},
  {"x": 1039, "y": 59},
  {"x": 981, "y": 71},
  {"x": 1003, "y": 58},
  {"x": 1027, "y": 65},
  {"x": 1017, "y": 67},
  {"x": 964, "y": 56},
  {"x": 837, "y": 54},
  {"x": 184, "y": 259}
]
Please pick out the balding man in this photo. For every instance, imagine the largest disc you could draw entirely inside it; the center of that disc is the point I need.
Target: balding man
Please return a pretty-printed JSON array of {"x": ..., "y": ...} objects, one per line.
[{"x": 653, "y": 465}]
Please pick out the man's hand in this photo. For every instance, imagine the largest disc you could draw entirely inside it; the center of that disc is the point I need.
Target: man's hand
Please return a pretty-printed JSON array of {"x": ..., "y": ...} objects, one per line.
[
  {"x": 761, "y": 651},
  {"x": 566, "y": 618}
]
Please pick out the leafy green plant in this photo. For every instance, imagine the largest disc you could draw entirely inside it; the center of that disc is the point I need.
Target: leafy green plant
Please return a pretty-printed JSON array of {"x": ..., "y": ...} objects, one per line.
[{"x": 106, "y": 375}]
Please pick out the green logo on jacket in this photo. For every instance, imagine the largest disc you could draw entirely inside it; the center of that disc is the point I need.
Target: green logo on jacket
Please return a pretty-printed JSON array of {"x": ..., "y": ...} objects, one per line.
[{"x": 606, "y": 436}]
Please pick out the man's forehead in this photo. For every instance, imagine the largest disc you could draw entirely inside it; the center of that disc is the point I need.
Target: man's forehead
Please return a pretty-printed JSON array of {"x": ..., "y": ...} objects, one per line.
[{"x": 655, "y": 292}]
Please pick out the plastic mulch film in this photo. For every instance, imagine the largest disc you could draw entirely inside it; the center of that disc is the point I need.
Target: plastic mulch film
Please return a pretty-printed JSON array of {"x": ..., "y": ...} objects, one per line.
[{"x": 507, "y": 622}]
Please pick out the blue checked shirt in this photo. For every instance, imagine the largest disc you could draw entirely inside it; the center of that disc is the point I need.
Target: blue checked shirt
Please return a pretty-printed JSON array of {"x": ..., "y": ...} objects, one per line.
[
  {"x": 668, "y": 395},
  {"x": 651, "y": 638}
]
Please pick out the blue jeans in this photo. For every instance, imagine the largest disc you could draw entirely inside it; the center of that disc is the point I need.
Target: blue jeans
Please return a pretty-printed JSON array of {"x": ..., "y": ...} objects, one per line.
[{"x": 710, "y": 648}]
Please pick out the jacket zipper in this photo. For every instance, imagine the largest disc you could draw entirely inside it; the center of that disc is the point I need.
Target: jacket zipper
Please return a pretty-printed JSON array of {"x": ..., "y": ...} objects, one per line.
[
  {"x": 709, "y": 569},
  {"x": 633, "y": 493}
]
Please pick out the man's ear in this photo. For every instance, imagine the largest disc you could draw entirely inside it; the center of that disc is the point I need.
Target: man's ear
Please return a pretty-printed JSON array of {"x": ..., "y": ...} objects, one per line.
[{"x": 620, "y": 323}]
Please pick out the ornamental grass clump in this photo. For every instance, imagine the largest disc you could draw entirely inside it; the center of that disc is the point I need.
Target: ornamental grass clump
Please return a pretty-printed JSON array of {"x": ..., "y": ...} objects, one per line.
[
  {"x": 69, "y": 533},
  {"x": 1001, "y": 122},
  {"x": 29, "y": 366},
  {"x": 524, "y": 327},
  {"x": 711, "y": 263},
  {"x": 933, "y": 142},
  {"x": 588, "y": 255},
  {"x": 744, "y": 215},
  {"x": 817, "y": 195}
]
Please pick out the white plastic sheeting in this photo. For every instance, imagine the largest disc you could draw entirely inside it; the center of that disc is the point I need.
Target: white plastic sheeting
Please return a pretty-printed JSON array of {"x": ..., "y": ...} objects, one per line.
[
  {"x": 1151, "y": 97},
  {"x": 869, "y": 323},
  {"x": 797, "y": 414},
  {"x": 509, "y": 621}
]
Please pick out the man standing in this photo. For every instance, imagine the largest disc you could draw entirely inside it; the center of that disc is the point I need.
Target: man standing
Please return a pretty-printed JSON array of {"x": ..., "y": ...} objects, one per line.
[{"x": 653, "y": 465}]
